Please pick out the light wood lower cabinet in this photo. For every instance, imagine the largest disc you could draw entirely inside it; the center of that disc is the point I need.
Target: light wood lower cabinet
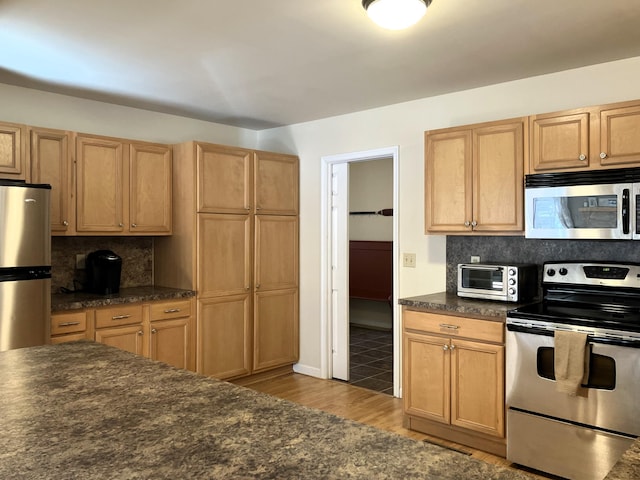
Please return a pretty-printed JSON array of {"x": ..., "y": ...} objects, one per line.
[
  {"x": 453, "y": 378},
  {"x": 72, "y": 325},
  {"x": 161, "y": 330}
]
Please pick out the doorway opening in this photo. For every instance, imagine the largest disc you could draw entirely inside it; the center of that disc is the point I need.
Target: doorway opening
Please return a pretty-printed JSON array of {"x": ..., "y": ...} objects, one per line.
[{"x": 337, "y": 305}]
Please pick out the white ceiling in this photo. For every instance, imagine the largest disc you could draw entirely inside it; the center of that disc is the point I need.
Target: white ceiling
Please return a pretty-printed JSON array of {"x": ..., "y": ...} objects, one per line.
[{"x": 265, "y": 63}]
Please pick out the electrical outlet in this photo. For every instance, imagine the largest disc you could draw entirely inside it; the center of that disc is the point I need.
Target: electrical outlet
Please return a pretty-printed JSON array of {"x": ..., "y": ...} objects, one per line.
[
  {"x": 475, "y": 258},
  {"x": 80, "y": 261},
  {"x": 409, "y": 260}
]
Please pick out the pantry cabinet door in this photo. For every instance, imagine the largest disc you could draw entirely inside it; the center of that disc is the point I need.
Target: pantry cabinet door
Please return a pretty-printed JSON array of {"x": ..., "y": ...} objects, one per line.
[
  {"x": 276, "y": 184},
  {"x": 224, "y": 179},
  {"x": 224, "y": 255},
  {"x": 275, "y": 329},
  {"x": 224, "y": 336},
  {"x": 276, "y": 262}
]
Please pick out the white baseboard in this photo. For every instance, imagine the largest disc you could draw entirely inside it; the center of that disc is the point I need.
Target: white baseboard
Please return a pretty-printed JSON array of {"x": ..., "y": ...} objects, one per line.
[{"x": 307, "y": 370}]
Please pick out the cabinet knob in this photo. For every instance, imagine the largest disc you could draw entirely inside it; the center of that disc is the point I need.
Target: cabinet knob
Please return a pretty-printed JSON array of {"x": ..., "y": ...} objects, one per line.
[
  {"x": 247, "y": 288},
  {"x": 603, "y": 155},
  {"x": 445, "y": 347},
  {"x": 65, "y": 223},
  {"x": 474, "y": 224},
  {"x": 582, "y": 157},
  {"x": 257, "y": 286},
  {"x": 467, "y": 223},
  {"x": 121, "y": 224},
  {"x": 452, "y": 347},
  {"x": 153, "y": 330},
  {"x": 140, "y": 332},
  {"x": 133, "y": 225}
]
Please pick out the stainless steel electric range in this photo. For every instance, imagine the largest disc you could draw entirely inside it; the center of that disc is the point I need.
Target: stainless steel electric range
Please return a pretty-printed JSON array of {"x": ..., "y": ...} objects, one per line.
[{"x": 577, "y": 436}]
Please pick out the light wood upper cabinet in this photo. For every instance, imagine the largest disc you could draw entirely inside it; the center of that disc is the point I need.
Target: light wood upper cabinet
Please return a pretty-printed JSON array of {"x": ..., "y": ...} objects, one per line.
[
  {"x": 12, "y": 151},
  {"x": 52, "y": 163},
  {"x": 276, "y": 184},
  {"x": 606, "y": 136},
  {"x": 150, "y": 189},
  {"x": 474, "y": 178},
  {"x": 100, "y": 185},
  {"x": 224, "y": 179},
  {"x": 620, "y": 135},
  {"x": 560, "y": 141},
  {"x": 122, "y": 187}
]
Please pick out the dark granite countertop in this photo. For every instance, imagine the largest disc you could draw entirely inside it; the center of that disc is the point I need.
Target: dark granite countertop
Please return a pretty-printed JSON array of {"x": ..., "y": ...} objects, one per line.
[
  {"x": 83, "y": 410},
  {"x": 79, "y": 300},
  {"x": 452, "y": 303}
]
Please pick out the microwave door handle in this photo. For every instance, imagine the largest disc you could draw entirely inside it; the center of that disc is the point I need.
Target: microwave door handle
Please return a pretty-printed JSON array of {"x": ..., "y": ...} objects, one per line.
[
  {"x": 625, "y": 211},
  {"x": 478, "y": 267}
]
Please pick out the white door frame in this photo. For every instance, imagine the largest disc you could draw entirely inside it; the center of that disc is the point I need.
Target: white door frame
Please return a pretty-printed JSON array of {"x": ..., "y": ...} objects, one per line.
[{"x": 326, "y": 327}]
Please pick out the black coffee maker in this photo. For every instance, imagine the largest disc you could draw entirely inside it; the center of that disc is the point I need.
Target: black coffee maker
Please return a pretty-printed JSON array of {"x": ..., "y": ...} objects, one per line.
[{"x": 103, "y": 268}]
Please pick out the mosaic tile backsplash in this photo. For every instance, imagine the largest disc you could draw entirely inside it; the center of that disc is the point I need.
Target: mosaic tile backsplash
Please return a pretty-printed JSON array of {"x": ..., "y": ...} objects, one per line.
[
  {"x": 136, "y": 253},
  {"x": 528, "y": 250}
]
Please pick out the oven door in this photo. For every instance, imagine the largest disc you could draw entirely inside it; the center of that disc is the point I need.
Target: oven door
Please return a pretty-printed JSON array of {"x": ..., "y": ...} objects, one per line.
[
  {"x": 608, "y": 401},
  {"x": 576, "y": 437},
  {"x": 580, "y": 211}
]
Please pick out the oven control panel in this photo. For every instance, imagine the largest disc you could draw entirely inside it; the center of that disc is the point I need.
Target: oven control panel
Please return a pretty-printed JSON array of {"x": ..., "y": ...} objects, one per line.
[{"x": 581, "y": 273}]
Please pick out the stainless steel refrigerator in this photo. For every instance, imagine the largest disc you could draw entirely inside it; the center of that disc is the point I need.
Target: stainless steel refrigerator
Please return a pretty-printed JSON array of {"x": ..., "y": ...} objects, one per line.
[{"x": 25, "y": 264}]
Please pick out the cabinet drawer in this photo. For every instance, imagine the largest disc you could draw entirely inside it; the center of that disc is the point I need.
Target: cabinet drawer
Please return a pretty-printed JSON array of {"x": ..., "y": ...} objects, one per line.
[
  {"x": 67, "y": 338},
  {"x": 72, "y": 322},
  {"x": 118, "y": 315},
  {"x": 453, "y": 326},
  {"x": 166, "y": 310}
]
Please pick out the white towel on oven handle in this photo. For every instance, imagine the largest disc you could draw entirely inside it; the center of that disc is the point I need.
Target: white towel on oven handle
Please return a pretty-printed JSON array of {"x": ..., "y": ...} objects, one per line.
[{"x": 571, "y": 361}]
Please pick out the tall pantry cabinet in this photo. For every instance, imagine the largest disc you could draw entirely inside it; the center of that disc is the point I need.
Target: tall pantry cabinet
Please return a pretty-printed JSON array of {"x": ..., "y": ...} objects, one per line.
[{"x": 235, "y": 241}]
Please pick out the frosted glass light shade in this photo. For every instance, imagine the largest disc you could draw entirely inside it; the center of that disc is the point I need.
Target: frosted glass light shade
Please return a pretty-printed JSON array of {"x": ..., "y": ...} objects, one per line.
[{"x": 395, "y": 14}]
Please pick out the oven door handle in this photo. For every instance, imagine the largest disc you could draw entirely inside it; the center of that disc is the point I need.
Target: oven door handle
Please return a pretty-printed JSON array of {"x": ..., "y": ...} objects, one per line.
[{"x": 621, "y": 342}]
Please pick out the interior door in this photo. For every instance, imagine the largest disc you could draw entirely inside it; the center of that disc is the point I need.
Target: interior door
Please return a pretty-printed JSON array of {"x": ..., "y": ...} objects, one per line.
[{"x": 340, "y": 270}]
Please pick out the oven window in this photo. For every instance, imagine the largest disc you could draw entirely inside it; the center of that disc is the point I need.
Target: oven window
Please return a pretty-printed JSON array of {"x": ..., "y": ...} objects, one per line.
[
  {"x": 576, "y": 212},
  {"x": 602, "y": 369},
  {"x": 482, "y": 279}
]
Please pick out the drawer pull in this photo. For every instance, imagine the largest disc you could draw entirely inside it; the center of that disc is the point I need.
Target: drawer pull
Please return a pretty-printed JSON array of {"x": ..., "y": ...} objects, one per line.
[
  {"x": 68, "y": 324},
  {"x": 449, "y": 326},
  {"x": 172, "y": 310},
  {"x": 120, "y": 317}
]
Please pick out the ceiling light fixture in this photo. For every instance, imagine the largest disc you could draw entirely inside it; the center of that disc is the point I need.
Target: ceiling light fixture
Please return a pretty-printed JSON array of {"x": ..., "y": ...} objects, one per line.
[{"x": 396, "y": 14}]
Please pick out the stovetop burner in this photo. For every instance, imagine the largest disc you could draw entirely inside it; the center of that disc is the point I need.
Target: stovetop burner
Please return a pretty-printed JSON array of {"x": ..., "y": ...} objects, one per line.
[{"x": 598, "y": 295}]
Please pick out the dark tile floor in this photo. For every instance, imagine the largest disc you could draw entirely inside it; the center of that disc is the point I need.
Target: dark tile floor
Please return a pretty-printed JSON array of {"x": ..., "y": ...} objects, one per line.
[{"x": 371, "y": 359}]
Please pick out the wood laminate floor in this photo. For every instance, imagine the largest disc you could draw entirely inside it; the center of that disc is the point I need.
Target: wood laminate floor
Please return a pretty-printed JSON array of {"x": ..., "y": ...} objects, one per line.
[{"x": 356, "y": 403}]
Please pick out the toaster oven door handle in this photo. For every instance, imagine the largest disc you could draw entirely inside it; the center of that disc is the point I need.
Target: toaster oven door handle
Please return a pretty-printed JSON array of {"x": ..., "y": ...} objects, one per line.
[{"x": 481, "y": 267}]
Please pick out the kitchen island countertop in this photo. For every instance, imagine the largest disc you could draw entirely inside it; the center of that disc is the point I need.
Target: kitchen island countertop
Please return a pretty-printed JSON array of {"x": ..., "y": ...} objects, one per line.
[
  {"x": 80, "y": 300},
  {"x": 83, "y": 410}
]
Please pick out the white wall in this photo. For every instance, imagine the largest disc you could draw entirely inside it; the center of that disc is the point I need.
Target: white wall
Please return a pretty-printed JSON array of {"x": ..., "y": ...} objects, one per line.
[
  {"x": 404, "y": 125},
  {"x": 50, "y": 110},
  {"x": 371, "y": 189}
]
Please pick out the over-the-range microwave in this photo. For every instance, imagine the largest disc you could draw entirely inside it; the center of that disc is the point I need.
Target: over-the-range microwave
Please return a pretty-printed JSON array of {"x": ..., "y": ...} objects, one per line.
[{"x": 601, "y": 204}]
